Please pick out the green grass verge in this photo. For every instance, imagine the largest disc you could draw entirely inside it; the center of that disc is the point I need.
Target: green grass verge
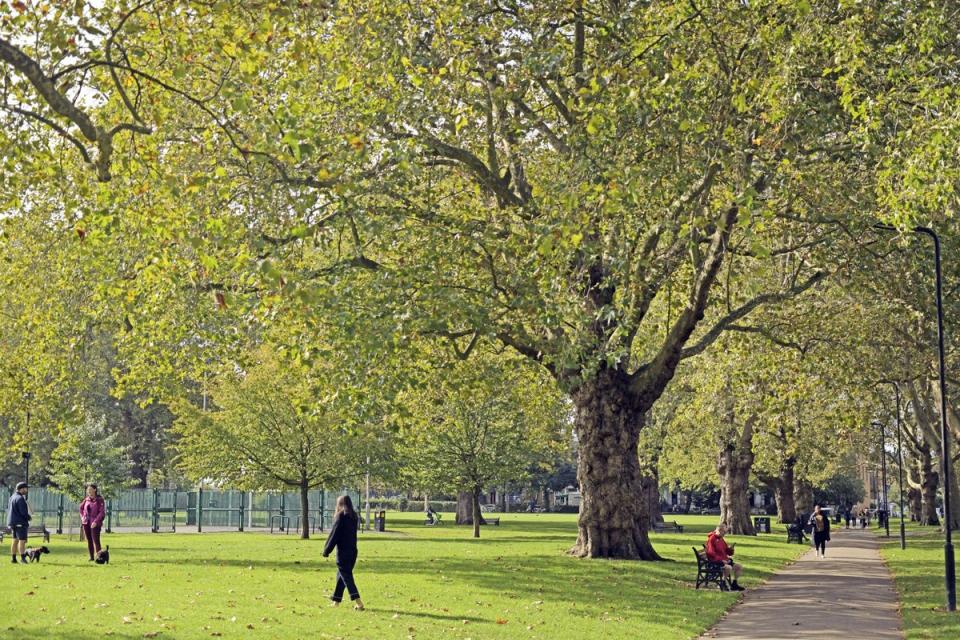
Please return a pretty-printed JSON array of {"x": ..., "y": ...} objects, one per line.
[
  {"x": 918, "y": 574},
  {"x": 417, "y": 582}
]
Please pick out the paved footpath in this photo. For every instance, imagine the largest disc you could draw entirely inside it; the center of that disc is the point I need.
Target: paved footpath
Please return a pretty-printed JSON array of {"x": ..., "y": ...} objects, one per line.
[{"x": 848, "y": 595}]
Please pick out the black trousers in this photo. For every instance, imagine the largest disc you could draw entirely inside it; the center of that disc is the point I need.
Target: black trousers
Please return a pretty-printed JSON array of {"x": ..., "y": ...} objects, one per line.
[
  {"x": 345, "y": 565},
  {"x": 820, "y": 541}
]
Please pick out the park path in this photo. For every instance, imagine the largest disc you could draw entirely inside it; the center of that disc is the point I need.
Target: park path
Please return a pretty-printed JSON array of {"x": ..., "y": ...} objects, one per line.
[{"x": 848, "y": 595}]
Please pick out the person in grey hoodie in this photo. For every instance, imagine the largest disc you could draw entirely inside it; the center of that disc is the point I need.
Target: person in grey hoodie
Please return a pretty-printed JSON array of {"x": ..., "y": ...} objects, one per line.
[{"x": 18, "y": 519}]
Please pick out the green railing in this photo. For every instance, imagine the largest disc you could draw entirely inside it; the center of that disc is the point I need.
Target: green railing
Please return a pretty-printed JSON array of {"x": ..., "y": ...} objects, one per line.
[{"x": 165, "y": 510}]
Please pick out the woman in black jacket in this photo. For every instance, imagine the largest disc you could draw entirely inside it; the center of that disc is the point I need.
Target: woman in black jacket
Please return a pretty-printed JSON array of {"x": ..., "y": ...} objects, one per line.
[
  {"x": 820, "y": 525},
  {"x": 343, "y": 536}
]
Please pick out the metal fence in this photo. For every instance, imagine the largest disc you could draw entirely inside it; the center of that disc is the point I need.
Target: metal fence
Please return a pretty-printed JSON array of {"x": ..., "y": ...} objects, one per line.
[{"x": 162, "y": 510}]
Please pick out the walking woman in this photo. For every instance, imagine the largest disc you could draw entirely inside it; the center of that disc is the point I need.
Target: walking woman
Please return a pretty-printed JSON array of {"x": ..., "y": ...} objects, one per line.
[
  {"x": 343, "y": 536},
  {"x": 92, "y": 512},
  {"x": 821, "y": 531}
]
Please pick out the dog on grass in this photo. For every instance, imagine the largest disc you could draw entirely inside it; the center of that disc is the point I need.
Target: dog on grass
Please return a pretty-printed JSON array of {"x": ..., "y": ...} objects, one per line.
[
  {"x": 34, "y": 553},
  {"x": 103, "y": 556}
]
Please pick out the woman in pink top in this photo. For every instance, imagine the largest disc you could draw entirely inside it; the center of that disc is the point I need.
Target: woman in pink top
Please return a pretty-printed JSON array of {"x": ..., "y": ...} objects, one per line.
[{"x": 92, "y": 512}]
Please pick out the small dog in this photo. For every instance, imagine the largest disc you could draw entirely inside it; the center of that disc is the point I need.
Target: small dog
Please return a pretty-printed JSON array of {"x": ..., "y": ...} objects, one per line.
[
  {"x": 34, "y": 553},
  {"x": 103, "y": 556}
]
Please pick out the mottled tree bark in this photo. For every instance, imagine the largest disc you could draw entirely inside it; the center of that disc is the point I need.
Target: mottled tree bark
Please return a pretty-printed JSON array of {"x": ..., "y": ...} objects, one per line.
[
  {"x": 803, "y": 496},
  {"x": 786, "y": 507},
  {"x": 650, "y": 483},
  {"x": 925, "y": 442},
  {"x": 954, "y": 500},
  {"x": 915, "y": 503},
  {"x": 734, "y": 465},
  {"x": 613, "y": 519},
  {"x": 929, "y": 483},
  {"x": 464, "y": 508}
]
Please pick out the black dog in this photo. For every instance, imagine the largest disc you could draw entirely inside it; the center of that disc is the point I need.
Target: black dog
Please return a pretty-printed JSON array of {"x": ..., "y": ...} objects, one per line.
[
  {"x": 103, "y": 556},
  {"x": 35, "y": 553}
]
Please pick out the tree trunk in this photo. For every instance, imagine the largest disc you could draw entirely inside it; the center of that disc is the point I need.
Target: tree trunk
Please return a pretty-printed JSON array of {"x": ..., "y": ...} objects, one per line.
[
  {"x": 650, "y": 494},
  {"x": 926, "y": 409},
  {"x": 304, "y": 510},
  {"x": 613, "y": 519},
  {"x": 803, "y": 496},
  {"x": 140, "y": 459},
  {"x": 464, "y": 508},
  {"x": 734, "y": 465},
  {"x": 786, "y": 507},
  {"x": 915, "y": 503},
  {"x": 477, "y": 518},
  {"x": 688, "y": 502},
  {"x": 954, "y": 502},
  {"x": 929, "y": 483}
]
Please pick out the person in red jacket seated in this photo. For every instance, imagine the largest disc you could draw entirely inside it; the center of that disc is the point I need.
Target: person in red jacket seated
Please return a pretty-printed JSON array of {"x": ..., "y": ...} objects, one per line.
[{"x": 719, "y": 551}]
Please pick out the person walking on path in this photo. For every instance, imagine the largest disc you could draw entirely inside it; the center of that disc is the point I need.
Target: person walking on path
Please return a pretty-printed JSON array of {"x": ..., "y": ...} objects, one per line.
[
  {"x": 343, "y": 536},
  {"x": 820, "y": 525},
  {"x": 719, "y": 551},
  {"x": 92, "y": 512},
  {"x": 848, "y": 516},
  {"x": 18, "y": 519}
]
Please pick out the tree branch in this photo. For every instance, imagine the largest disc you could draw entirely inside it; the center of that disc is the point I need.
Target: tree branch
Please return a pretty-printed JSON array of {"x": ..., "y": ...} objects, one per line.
[{"x": 743, "y": 310}]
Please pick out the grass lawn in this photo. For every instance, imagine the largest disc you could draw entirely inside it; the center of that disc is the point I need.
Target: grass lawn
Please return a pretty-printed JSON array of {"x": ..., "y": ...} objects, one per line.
[
  {"x": 417, "y": 582},
  {"x": 918, "y": 573}
]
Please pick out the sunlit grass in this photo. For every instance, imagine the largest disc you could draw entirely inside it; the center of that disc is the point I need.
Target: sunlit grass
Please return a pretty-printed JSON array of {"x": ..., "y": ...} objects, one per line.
[
  {"x": 918, "y": 572},
  {"x": 514, "y": 582}
]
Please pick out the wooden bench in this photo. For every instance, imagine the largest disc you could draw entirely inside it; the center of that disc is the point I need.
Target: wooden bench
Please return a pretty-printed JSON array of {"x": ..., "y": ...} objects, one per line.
[
  {"x": 795, "y": 534},
  {"x": 32, "y": 530},
  {"x": 491, "y": 521},
  {"x": 708, "y": 572},
  {"x": 669, "y": 527}
]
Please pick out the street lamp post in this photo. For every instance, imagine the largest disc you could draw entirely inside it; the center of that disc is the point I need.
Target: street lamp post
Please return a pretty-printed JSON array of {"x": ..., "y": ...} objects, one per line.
[
  {"x": 903, "y": 531},
  {"x": 950, "y": 571},
  {"x": 883, "y": 470},
  {"x": 26, "y": 471}
]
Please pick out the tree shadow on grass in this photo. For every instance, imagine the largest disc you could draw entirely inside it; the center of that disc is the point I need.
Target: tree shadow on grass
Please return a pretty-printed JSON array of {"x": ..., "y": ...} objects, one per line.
[{"x": 433, "y": 616}]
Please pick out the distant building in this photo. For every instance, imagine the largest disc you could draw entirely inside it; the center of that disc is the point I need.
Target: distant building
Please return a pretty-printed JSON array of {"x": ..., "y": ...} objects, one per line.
[{"x": 569, "y": 497}]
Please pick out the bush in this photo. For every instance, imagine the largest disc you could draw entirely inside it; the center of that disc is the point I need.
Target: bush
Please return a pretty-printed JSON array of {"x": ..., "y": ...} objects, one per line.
[{"x": 565, "y": 508}]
